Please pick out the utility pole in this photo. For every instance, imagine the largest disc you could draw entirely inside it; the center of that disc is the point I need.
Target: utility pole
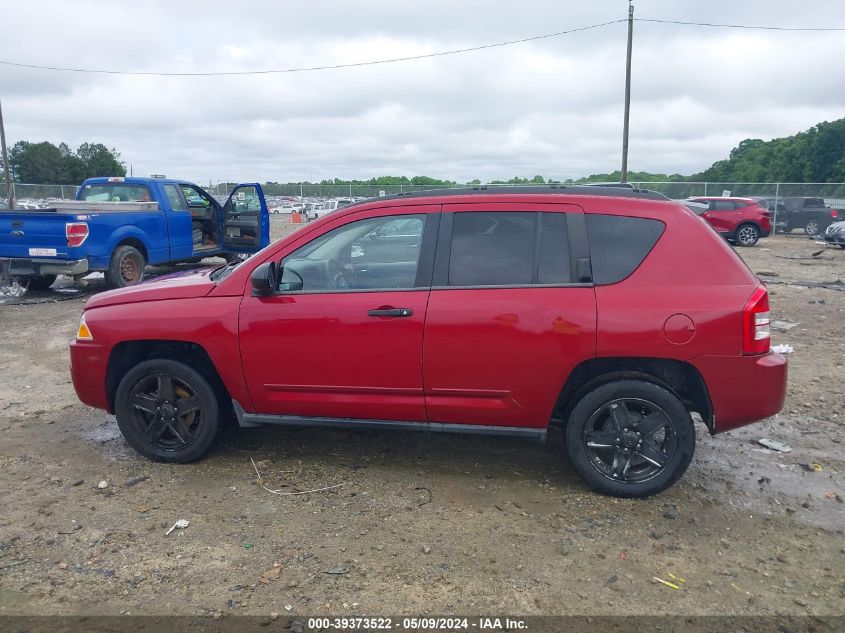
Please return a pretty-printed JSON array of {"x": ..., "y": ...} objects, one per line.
[
  {"x": 6, "y": 168},
  {"x": 624, "y": 177}
]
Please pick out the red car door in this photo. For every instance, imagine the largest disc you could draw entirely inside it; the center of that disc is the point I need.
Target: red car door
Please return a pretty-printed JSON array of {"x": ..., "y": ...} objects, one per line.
[
  {"x": 722, "y": 216},
  {"x": 342, "y": 336},
  {"x": 508, "y": 318}
]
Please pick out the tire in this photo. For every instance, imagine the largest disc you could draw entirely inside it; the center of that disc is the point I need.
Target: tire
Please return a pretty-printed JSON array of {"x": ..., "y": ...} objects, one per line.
[
  {"x": 667, "y": 449},
  {"x": 812, "y": 227},
  {"x": 747, "y": 235},
  {"x": 41, "y": 283},
  {"x": 143, "y": 401},
  {"x": 126, "y": 267},
  {"x": 842, "y": 246}
]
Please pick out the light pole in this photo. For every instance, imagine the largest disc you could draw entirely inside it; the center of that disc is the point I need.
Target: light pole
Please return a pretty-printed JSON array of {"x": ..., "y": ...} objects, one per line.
[
  {"x": 624, "y": 176},
  {"x": 6, "y": 168}
]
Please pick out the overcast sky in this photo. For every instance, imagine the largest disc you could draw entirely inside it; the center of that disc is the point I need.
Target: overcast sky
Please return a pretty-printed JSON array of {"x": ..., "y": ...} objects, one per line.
[{"x": 550, "y": 107}]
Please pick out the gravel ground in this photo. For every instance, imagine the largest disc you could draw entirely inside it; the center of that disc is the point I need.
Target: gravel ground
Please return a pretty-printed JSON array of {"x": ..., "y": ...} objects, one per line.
[{"x": 422, "y": 524}]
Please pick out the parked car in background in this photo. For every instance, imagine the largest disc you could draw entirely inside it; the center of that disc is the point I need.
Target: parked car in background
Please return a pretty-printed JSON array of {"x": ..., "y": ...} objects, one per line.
[
  {"x": 835, "y": 234},
  {"x": 454, "y": 311},
  {"x": 739, "y": 220},
  {"x": 810, "y": 214},
  {"x": 316, "y": 211},
  {"x": 119, "y": 225}
]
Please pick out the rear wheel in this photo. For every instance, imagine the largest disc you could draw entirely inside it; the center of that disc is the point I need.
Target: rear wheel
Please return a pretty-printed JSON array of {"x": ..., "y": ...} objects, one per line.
[
  {"x": 126, "y": 267},
  {"x": 747, "y": 235},
  {"x": 41, "y": 283},
  {"x": 167, "y": 411},
  {"x": 630, "y": 438},
  {"x": 812, "y": 227}
]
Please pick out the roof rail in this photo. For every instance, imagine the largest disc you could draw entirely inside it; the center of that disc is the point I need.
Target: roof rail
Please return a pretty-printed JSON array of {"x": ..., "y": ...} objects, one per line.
[{"x": 571, "y": 190}]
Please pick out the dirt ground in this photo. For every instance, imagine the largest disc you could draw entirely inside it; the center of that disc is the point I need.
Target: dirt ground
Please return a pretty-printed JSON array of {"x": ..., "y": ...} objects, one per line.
[{"x": 422, "y": 524}]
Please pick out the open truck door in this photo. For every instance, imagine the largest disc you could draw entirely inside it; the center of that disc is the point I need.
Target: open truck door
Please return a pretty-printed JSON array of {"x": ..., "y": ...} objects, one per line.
[{"x": 246, "y": 223}]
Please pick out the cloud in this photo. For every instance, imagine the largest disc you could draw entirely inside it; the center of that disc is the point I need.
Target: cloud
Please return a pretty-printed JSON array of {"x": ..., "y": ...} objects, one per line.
[{"x": 552, "y": 107}]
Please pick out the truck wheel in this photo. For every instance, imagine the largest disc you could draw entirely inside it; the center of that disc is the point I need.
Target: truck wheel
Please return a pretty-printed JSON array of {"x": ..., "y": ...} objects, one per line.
[
  {"x": 812, "y": 227},
  {"x": 126, "y": 267},
  {"x": 41, "y": 283},
  {"x": 167, "y": 411},
  {"x": 630, "y": 438},
  {"x": 747, "y": 235}
]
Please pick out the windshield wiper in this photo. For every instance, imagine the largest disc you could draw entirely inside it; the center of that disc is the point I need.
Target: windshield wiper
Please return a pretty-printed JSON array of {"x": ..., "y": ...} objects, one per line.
[{"x": 217, "y": 273}]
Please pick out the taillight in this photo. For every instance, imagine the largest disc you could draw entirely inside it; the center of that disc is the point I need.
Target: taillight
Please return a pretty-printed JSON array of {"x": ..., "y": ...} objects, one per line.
[
  {"x": 76, "y": 233},
  {"x": 755, "y": 323},
  {"x": 834, "y": 213}
]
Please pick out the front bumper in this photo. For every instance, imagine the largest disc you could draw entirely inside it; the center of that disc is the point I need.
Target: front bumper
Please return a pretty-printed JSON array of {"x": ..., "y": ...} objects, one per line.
[
  {"x": 743, "y": 389},
  {"x": 88, "y": 364},
  {"x": 835, "y": 238},
  {"x": 38, "y": 267}
]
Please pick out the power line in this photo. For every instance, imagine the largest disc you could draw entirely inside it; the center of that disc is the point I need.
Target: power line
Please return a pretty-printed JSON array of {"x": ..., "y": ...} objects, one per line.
[
  {"x": 280, "y": 71},
  {"x": 740, "y": 26}
]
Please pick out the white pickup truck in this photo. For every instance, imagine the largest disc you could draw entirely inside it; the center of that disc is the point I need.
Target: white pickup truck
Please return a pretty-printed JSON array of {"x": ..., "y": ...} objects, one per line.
[{"x": 313, "y": 212}]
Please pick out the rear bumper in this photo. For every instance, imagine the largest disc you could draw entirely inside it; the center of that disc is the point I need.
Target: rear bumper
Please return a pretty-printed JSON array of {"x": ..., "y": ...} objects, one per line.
[
  {"x": 743, "y": 389},
  {"x": 35, "y": 267},
  {"x": 88, "y": 363}
]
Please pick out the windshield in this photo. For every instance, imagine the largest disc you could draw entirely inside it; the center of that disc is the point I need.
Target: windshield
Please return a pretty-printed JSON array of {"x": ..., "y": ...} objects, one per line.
[{"x": 115, "y": 192}]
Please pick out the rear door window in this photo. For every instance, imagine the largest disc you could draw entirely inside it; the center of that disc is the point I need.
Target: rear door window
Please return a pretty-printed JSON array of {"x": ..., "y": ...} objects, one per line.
[
  {"x": 502, "y": 248},
  {"x": 722, "y": 205},
  {"x": 492, "y": 248},
  {"x": 619, "y": 244}
]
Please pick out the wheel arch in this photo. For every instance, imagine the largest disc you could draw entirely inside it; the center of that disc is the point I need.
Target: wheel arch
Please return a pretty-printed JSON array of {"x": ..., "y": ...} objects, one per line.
[
  {"x": 678, "y": 377},
  {"x": 127, "y": 354},
  {"x": 135, "y": 243}
]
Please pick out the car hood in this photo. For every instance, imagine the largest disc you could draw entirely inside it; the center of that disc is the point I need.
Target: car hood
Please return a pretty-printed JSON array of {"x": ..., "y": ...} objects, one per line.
[
  {"x": 836, "y": 226},
  {"x": 181, "y": 285}
]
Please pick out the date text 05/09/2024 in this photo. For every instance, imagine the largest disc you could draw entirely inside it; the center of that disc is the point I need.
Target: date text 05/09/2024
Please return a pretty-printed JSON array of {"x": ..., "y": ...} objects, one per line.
[{"x": 418, "y": 623}]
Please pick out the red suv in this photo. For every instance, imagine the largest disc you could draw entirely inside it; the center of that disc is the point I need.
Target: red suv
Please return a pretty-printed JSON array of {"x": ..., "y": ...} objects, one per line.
[
  {"x": 472, "y": 312},
  {"x": 742, "y": 221}
]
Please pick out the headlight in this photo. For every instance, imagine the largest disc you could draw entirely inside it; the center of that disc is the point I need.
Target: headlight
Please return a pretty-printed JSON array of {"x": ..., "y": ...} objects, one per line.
[{"x": 83, "y": 333}]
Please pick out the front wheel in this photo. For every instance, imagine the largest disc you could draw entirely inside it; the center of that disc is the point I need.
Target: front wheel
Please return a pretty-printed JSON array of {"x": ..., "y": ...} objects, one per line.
[
  {"x": 126, "y": 267},
  {"x": 747, "y": 235},
  {"x": 167, "y": 411},
  {"x": 630, "y": 438},
  {"x": 812, "y": 227}
]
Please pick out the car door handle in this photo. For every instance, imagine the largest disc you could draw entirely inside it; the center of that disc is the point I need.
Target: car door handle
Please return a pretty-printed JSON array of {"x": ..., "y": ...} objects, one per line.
[{"x": 391, "y": 312}]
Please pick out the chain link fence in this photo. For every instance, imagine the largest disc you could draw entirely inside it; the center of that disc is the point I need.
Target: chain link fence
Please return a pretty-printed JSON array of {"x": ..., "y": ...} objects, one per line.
[{"x": 832, "y": 193}]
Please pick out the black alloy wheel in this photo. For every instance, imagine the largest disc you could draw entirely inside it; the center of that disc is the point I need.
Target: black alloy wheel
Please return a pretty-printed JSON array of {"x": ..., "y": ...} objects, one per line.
[{"x": 167, "y": 411}]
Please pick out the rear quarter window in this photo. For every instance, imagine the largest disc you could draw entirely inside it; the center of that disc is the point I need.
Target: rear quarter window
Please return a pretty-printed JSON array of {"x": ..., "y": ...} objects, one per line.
[{"x": 619, "y": 244}]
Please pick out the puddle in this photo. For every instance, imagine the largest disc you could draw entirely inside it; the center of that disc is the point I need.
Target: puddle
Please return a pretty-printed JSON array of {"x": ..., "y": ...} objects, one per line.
[
  {"x": 761, "y": 480},
  {"x": 109, "y": 438}
]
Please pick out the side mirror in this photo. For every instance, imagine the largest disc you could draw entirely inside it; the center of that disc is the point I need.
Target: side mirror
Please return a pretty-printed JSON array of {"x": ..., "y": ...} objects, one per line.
[{"x": 263, "y": 279}]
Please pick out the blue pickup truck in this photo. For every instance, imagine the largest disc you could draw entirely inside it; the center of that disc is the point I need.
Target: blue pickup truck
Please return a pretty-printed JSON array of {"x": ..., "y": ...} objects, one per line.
[{"x": 119, "y": 225}]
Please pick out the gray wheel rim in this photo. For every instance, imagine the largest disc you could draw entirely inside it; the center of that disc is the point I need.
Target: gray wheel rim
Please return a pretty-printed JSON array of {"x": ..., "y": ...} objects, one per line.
[
  {"x": 812, "y": 228},
  {"x": 747, "y": 235}
]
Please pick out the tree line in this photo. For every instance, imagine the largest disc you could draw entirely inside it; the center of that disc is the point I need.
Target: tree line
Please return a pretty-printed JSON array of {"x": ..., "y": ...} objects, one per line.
[
  {"x": 45, "y": 163},
  {"x": 815, "y": 155}
]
